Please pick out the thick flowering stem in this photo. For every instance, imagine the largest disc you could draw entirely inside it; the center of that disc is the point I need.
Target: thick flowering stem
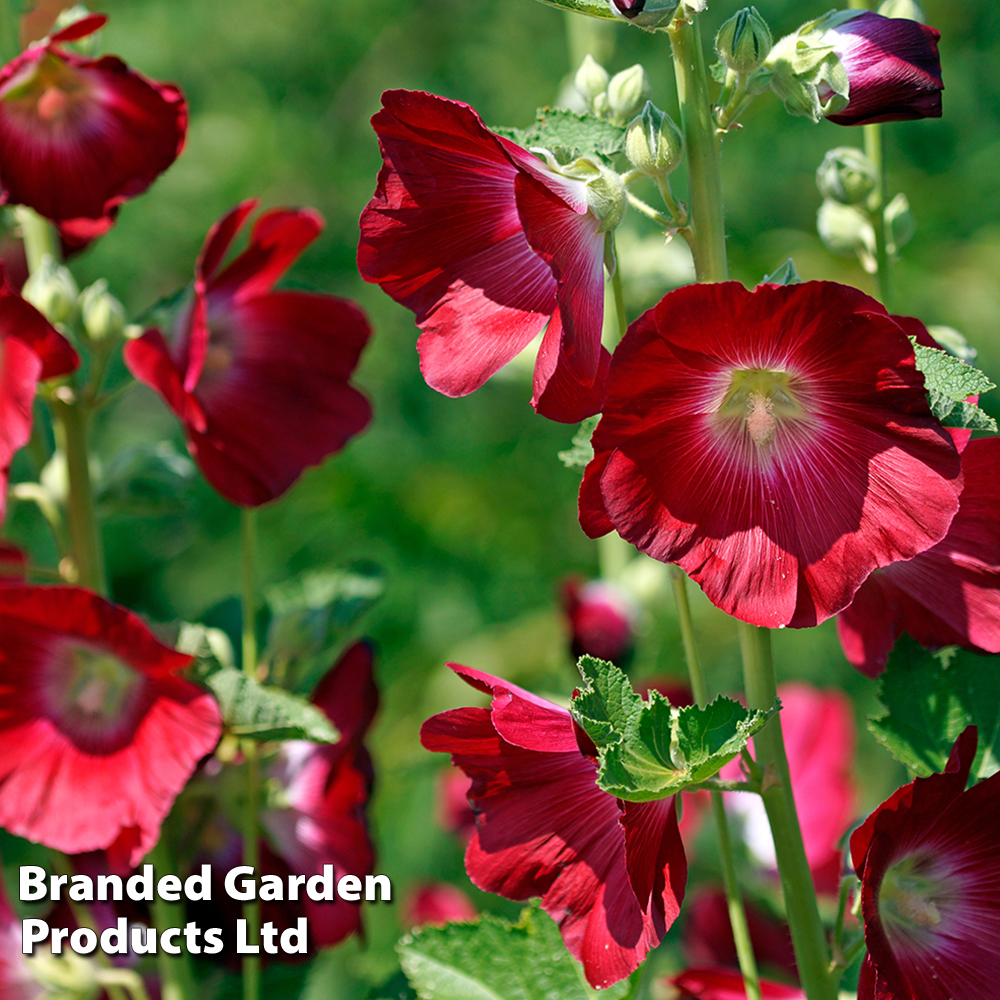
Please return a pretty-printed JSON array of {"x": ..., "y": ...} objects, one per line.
[
  {"x": 251, "y": 834},
  {"x": 702, "y": 150},
  {"x": 876, "y": 207},
  {"x": 808, "y": 937},
  {"x": 734, "y": 902},
  {"x": 10, "y": 42},
  {"x": 176, "y": 978}
]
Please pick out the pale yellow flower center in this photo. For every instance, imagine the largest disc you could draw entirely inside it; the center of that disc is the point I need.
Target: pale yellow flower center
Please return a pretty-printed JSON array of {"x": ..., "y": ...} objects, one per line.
[{"x": 760, "y": 401}]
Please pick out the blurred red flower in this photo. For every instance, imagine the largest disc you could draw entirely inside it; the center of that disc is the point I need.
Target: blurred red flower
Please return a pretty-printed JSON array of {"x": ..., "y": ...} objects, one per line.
[
  {"x": 437, "y": 903},
  {"x": 721, "y": 984},
  {"x": 486, "y": 244},
  {"x": 80, "y": 136},
  {"x": 610, "y": 873},
  {"x": 776, "y": 444},
  {"x": 16, "y": 981},
  {"x": 601, "y": 620},
  {"x": 258, "y": 377},
  {"x": 929, "y": 863},
  {"x": 31, "y": 350},
  {"x": 327, "y": 788},
  {"x": 97, "y": 733}
]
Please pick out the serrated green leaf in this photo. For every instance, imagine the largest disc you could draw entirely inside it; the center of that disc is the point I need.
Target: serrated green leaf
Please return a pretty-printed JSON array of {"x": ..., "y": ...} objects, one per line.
[
  {"x": 580, "y": 455},
  {"x": 948, "y": 375},
  {"x": 595, "y": 8},
  {"x": 647, "y": 749},
  {"x": 960, "y": 414},
  {"x": 249, "y": 709},
  {"x": 568, "y": 134},
  {"x": 930, "y": 698},
  {"x": 495, "y": 960}
]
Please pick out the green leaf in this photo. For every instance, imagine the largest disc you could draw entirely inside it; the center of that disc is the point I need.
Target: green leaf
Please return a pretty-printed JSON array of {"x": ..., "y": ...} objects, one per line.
[
  {"x": 568, "y": 133},
  {"x": 648, "y": 749},
  {"x": 249, "y": 709},
  {"x": 960, "y": 414},
  {"x": 785, "y": 275},
  {"x": 949, "y": 380},
  {"x": 310, "y": 617},
  {"x": 595, "y": 8},
  {"x": 581, "y": 453},
  {"x": 146, "y": 480},
  {"x": 495, "y": 960},
  {"x": 719, "y": 71},
  {"x": 930, "y": 698}
]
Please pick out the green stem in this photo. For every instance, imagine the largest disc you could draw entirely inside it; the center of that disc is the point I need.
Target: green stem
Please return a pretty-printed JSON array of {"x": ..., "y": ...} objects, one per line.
[
  {"x": 651, "y": 213},
  {"x": 10, "y": 35},
  {"x": 734, "y": 901},
  {"x": 702, "y": 141},
  {"x": 808, "y": 938},
  {"x": 118, "y": 982},
  {"x": 621, "y": 316},
  {"x": 70, "y": 417},
  {"x": 876, "y": 208},
  {"x": 37, "y": 233},
  {"x": 251, "y": 834},
  {"x": 176, "y": 977}
]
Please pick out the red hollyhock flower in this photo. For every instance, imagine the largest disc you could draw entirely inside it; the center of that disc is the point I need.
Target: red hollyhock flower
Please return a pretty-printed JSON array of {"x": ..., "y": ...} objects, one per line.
[
  {"x": 258, "y": 377},
  {"x": 80, "y": 136},
  {"x": 601, "y": 620},
  {"x": 776, "y": 444},
  {"x": 893, "y": 67},
  {"x": 929, "y": 863},
  {"x": 30, "y": 351},
  {"x": 437, "y": 903},
  {"x": 97, "y": 733},
  {"x": 486, "y": 245},
  {"x": 610, "y": 873},
  {"x": 327, "y": 788},
  {"x": 721, "y": 984},
  {"x": 948, "y": 595},
  {"x": 16, "y": 981}
]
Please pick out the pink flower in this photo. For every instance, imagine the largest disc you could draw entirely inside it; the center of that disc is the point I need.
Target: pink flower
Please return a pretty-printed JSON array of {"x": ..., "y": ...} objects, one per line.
[
  {"x": 893, "y": 67},
  {"x": 30, "y": 351},
  {"x": 776, "y": 444},
  {"x": 80, "y": 136},
  {"x": 610, "y": 873},
  {"x": 258, "y": 377},
  {"x": 487, "y": 245},
  {"x": 721, "y": 984},
  {"x": 948, "y": 595},
  {"x": 437, "y": 903},
  {"x": 97, "y": 733},
  {"x": 929, "y": 863},
  {"x": 601, "y": 620},
  {"x": 16, "y": 981},
  {"x": 327, "y": 789}
]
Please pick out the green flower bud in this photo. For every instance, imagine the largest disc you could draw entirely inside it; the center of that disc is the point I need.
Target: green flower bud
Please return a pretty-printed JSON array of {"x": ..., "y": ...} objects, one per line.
[
  {"x": 899, "y": 223},
  {"x": 744, "y": 41},
  {"x": 103, "y": 315},
  {"x": 908, "y": 9},
  {"x": 591, "y": 80},
  {"x": 606, "y": 193},
  {"x": 846, "y": 175},
  {"x": 52, "y": 291},
  {"x": 628, "y": 91},
  {"x": 844, "y": 230},
  {"x": 654, "y": 145}
]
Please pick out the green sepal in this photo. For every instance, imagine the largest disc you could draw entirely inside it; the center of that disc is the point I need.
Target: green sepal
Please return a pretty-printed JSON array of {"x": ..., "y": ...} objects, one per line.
[
  {"x": 784, "y": 275},
  {"x": 492, "y": 959},
  {"x": 568, "y": 134},
  {"x": 581, "y": 453},
  {"x": 648, "y": 749},
  {"x": 930, "y": 698},
  {"x": 948, "y": 381}
]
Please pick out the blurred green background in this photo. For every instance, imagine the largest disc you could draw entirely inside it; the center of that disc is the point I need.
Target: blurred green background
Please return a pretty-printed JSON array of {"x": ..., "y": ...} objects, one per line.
[{"x": 463, "y": 502}]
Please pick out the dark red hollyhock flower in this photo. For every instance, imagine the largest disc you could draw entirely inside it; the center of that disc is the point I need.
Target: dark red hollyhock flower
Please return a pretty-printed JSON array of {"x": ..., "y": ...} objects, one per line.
[
  {"x": 776, "y": 444},
  {"x": 610, "y": 873},
  {"x": 454, "y": 813},
  {"x": 30, "y": 351},
  {"x": 929, "y": 863},
  {"x": 601, "y": 620},
  {"x": 437, "y": 903},
  {"x": 893, "y": 68},
  {"x": 16, "y": 981},
  {"x": 486, "y": 245},
  {"x": 722, "y": 984},
  {"x": 97, "y": 733},
  {"x": 80, "y": 136},
  {"x": 948, "y": 595},
  {"x": 258, "y": 377},
  {"x": 327, "y": 789}
]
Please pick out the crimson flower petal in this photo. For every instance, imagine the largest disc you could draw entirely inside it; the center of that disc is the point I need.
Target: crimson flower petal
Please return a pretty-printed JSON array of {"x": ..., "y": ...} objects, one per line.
[
  {"x": 722, "y": 984},
  {"x": 259, "y": 378},
  {"x": 484, "y": 243},
  {"x": 611, "y": 874},
  {"x": 776, "y": 444},
  {"x": 97, "y": 733}
]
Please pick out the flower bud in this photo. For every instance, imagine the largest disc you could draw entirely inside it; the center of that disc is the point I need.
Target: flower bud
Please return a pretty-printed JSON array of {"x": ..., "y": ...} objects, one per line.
[
  {"x": 103, "y": 315},
  {"x": 591, "y": 80},
  {"x": 908, "y": 9},
  {"x": 645, "y": 13},
  {"x": 601, "y": 619},
  {"x": 52, "y": 291},
  {"x": 744, "y": 41},
  {"x": 654, "y": 145},
  {"x": 899, "y": 223},
  {"x": 628, "y": 91},
  {"x": 844, "y": 230},
  {"x": 846, "y": 175}
]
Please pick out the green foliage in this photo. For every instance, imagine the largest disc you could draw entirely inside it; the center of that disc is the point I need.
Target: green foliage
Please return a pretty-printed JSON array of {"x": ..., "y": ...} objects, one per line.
[
  {"x": 568, "y": 133},
  {"x": 582, "y": 451},
  {"x": 495, "y": 960},
  {"x": 931, "y": 698},
  {"x": 784, "y": 275},
  {"x": 146, "y": 480},
  {"x": 949, "y": 380},
  {"x": 595, "y": 8},
  {"x": 648, "y": 749}
]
